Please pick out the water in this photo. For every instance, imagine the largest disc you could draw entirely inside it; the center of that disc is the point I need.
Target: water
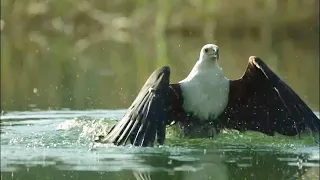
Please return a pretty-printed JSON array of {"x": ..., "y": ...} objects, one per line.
[
  {"x": 59, "y": 145},
  {"x": 81, "y": 56}
]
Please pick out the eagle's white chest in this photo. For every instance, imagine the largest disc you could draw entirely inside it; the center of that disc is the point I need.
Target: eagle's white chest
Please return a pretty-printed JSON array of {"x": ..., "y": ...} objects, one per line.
[{"x": 205, "y": 92}]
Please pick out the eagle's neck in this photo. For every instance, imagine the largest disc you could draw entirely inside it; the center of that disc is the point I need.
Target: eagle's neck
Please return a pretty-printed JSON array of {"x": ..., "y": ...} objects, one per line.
[{"x": 205, "y": 90}]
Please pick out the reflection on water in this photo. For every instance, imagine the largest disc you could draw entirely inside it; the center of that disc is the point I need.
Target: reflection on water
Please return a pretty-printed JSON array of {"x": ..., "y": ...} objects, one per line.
[
  {"x": 166, "y": 164},
  {"x": 59, "y": 145}
]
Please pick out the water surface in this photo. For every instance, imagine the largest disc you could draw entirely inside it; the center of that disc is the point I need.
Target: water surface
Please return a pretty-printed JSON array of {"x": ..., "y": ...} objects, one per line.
[
  {"x": 59, "y": 145},
  {"x": 97, "y": 55}
]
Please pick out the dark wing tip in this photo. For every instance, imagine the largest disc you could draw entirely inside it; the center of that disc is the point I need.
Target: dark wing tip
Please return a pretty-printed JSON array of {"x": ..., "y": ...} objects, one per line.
[
  {"x": 256, "y": 61},
  {"x": 253, "y": 64},
  {"x": 252, "y": 58},
  {"x": 163, "y": 69}
]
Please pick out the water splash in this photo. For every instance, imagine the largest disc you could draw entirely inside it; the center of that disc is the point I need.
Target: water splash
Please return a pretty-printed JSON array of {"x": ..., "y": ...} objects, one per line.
[{"x": 64, "y": 141}]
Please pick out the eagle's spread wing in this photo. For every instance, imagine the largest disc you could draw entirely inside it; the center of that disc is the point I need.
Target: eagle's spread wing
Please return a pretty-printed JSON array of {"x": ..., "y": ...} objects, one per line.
[
  {"x": 261, "y": 101},
  {"x": 147, "y": 117}
]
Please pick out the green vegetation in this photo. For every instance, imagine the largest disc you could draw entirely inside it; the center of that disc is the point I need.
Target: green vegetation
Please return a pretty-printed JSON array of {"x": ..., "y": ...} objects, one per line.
[{"x": 97, "y": 54}]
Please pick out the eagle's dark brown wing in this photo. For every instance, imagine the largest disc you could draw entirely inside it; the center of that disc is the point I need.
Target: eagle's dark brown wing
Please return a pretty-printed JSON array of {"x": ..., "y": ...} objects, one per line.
[
  {"x": 261, "y": 101},
  {"x": 145, "y": 121}
]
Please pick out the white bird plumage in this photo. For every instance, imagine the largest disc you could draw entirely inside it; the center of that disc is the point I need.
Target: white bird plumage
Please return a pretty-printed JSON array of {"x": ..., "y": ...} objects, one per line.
[{"x": 206, "y": 89}]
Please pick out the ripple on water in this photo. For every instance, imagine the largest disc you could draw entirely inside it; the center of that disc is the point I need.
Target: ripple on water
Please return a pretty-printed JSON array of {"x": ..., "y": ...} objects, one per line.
[{"x": 63, "y": 141}]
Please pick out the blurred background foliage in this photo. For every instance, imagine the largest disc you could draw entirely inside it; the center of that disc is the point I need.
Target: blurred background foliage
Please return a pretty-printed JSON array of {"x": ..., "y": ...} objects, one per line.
[{"x": 80, "y": 54}]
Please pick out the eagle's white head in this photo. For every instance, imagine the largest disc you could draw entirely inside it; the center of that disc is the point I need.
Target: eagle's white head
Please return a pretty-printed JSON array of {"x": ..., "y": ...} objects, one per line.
[{"x": 209, "y": 52}]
